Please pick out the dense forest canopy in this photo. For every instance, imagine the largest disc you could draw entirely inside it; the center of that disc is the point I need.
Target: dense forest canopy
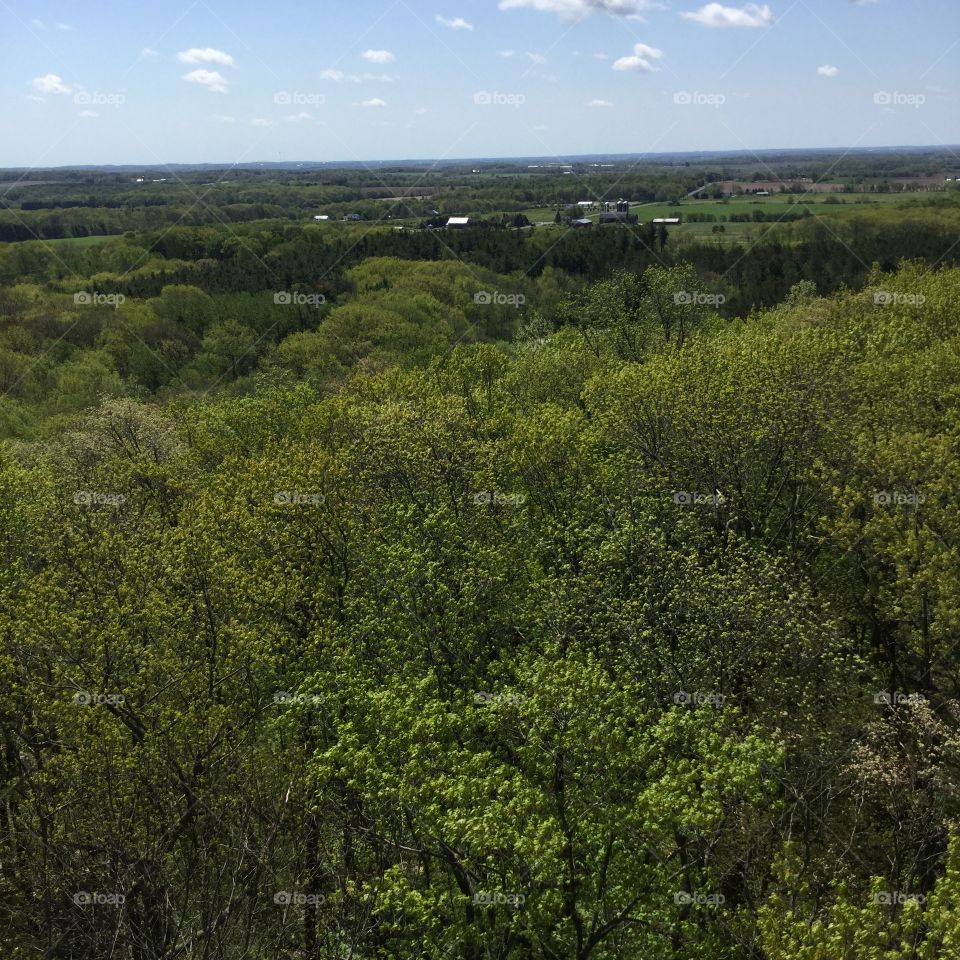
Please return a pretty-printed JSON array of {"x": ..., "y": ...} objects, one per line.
[{"x": 510, "y": 592}]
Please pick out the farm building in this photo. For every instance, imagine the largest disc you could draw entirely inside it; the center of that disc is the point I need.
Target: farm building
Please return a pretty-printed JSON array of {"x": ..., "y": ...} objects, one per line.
[
  {"x": 458, "y": 222},
  {"x": 617, "y": 212}
]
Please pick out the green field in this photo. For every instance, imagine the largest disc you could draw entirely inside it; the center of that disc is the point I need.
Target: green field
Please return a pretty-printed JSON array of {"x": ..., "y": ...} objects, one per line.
[
  {"x": 775, "y": 206},
  {"x": 86, "y": 241}
]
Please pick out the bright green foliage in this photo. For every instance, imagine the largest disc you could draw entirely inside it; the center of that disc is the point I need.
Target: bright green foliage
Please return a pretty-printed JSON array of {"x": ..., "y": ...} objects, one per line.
[{"x": 596, "y": 645}]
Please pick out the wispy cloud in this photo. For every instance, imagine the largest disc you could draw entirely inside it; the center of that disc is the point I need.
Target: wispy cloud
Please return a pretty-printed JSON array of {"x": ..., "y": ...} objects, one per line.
[
  {"x": 578, "y": 9},
  {"x": 457, "y": 23},
  {"x": 205, "y": 55},
  {"x": 374, "y": 102},
  {"x": 338, "y": 76},
  {"x": 599, "y": 103},
  {"x": 827, "y": 71}
]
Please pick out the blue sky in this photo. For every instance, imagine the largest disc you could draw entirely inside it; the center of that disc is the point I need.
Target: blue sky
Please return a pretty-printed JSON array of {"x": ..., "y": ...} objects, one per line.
[{"x": 210, "y": 81}]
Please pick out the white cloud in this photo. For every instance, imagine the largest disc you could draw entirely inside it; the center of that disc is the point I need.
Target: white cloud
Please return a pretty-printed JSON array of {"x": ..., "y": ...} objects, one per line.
[
  {"x": 211, "y": 79},
  {"x": 378, "y": 56},
  {"x": 507, "y": 54},
  {"x": 261, "y": 122},
  {"x": 338, "y": 76},
  {"x": 640, "y": 61},
  {"x": 298, "y": 117},
  {"x": 50, "y": 83},
  {"x": 420, "y": 111},
  {"x": 205, "y": 55},
  {"x": 64, "y": 26},
  {"x": 148, "y": 53},
  {"x": 577, "y": 9},
  {"x": 457, "y": 23},
  {"x": 827, "y": 71},
  {"x": 538, "y": 58},
  {"x": 88, "y": 113},
  {"x": 600, "y": 56},
  {"x": 599, "y": 103},
  {"x": 719, "y": 16},
  {"x": 226, "y": 119},
  {"x": 39, "y": 24},
  {"x": 375, "y": 102}
]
